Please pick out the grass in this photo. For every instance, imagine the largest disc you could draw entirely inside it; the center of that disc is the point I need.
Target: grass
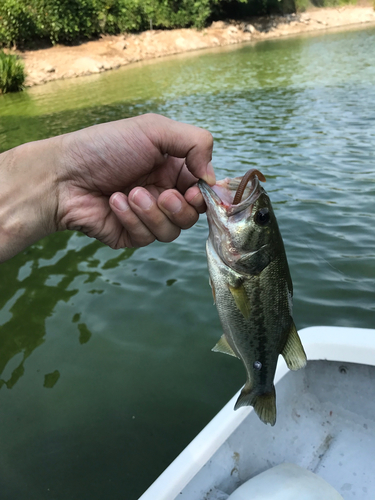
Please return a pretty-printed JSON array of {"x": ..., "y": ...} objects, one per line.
[
  {"x": 12, "y": 73},
  {"x": 303, "y": 5}
]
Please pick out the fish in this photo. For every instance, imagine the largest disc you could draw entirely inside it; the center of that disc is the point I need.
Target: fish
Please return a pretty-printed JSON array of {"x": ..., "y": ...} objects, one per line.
[{"x": 251, "y": 286}]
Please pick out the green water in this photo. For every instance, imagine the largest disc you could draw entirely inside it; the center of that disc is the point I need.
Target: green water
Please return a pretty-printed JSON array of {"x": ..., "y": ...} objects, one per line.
[{"x": 106, "y": 371}]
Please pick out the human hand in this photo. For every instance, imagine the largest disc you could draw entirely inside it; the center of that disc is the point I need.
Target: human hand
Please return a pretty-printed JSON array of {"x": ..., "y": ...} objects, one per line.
[
  {"x": 130, "y": 182},
  {"x": 125, "y": 183}
]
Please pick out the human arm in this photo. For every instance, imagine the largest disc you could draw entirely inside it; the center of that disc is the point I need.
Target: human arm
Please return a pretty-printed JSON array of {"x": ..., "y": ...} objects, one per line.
[{"x": 98, "y": 180}]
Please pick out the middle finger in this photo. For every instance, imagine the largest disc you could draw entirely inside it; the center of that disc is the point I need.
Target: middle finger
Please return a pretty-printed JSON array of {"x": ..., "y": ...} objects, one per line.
[{"x": 145, "y": 207}]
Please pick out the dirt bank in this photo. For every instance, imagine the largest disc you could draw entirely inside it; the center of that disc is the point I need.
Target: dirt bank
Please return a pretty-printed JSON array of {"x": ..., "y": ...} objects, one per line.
[{"x": 111, "y": 52}]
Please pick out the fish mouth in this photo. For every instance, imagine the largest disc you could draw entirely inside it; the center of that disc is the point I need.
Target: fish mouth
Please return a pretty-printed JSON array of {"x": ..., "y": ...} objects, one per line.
[{"x": 226, "y": 195}]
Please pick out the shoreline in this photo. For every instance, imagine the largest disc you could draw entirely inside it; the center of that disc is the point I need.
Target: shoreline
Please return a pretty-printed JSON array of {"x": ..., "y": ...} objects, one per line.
[{"x": 111, "y": 52}]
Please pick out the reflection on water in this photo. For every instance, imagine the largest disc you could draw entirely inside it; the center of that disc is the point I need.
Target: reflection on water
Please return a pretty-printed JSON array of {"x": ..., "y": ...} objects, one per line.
[
  {"x": 36, "y": 281},
  {"x": 107, "y": 353},
  {"x": 50, "y": 379}
]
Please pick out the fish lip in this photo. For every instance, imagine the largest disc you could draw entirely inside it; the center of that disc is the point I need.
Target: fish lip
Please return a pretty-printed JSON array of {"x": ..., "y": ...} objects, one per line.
[{"x": 209, "y": 195}]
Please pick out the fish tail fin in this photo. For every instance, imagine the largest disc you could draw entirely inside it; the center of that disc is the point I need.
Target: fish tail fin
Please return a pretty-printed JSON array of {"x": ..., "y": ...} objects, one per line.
[{"x": 263, "y": 404}]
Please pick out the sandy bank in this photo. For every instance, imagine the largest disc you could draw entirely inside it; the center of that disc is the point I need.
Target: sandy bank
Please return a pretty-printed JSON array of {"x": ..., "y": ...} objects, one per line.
[{"x": 112, "y": 52}]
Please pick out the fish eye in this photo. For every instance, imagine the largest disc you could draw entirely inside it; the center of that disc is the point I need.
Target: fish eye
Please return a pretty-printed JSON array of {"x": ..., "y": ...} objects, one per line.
[
  {"x": 257, "y": 365},
  {"x": 262, "y": 216}
]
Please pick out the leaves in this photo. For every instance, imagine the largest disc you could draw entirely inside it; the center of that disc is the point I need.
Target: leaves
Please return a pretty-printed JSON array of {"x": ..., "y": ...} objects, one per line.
[
  {"x": 67, "y": 21},
  {"x": 12, "y": 75}
]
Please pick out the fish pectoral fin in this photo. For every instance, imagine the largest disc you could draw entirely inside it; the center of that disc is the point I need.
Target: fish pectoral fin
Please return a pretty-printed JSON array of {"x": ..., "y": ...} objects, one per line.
[
  {"x": 263, "y": 404},
  {"x": 241, "y": 299},
  {"x": 224, "y": 347},
  {"x": 213, "y": 290},
  {"x": 293, "y": 352}
]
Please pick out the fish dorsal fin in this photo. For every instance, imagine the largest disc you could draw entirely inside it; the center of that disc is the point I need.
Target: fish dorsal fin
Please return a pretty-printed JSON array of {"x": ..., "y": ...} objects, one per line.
[
  {"x": 224, "y": 347},
  {"x": 293, "y": 351},
  {"x": 241, "y": 299},
  {"x": 263, "y": 404}
]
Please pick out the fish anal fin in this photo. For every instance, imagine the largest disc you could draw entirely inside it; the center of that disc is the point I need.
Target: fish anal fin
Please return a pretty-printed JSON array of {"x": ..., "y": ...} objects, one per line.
[
  {"x": 241, "y": 299},
  {"x": 264, "y": 404},
  {"x": 223, "y": 347},
  {"x": 293, "y": 351}
]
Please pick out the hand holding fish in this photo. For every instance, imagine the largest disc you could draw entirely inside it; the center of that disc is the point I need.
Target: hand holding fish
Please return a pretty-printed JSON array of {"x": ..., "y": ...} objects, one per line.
[{"x": 125, "y": 183}]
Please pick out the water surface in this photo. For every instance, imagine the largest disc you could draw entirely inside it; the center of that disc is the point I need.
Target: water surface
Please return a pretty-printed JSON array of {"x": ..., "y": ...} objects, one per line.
[{"x": 106, "y": 371}]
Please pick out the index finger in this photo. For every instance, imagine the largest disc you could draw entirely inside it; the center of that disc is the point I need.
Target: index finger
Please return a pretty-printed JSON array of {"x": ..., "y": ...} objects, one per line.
[{"x": 183, "y": 141}]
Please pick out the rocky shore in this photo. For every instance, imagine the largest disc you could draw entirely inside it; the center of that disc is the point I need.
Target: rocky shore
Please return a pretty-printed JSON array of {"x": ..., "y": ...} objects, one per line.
[{"x": 111, "y": 52}]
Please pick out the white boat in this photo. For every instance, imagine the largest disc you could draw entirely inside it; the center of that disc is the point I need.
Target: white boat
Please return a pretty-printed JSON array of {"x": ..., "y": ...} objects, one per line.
[{"x": 325, "y": 425}]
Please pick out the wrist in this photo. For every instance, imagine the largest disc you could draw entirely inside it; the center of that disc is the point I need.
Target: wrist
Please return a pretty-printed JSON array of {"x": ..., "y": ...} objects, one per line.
[{"x": 28, "y": 195}]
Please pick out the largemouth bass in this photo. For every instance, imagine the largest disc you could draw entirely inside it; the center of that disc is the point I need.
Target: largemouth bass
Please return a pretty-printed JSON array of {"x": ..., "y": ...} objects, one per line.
[{"x": 252, "y": 287}]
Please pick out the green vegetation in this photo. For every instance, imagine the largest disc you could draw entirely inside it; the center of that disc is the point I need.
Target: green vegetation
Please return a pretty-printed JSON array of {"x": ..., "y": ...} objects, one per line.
[
  {"x": 24, "y": 22},
  {"x": 241, "y": 10},
  {"x": 302, "y": 5},
  {"x": 12, "y": 75},
  {"x": 67, "y": 21}
]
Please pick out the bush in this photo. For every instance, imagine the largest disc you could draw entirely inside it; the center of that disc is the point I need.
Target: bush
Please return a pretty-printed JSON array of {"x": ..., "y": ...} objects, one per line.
[
  {"x": 118, "y": 16},
  {"x": 67, "y": 21},
  {"x": 12, "y": 75},
  {"x": 178, "y": 13},
  {"x": 16, "y": 23}
]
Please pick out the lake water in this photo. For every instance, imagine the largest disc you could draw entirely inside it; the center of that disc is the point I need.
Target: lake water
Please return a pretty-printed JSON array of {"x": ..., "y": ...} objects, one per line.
[{"x": 105, "y": 363}]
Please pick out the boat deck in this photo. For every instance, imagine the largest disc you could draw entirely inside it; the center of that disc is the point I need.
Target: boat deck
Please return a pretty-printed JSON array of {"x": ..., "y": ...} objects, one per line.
[{"x": 325, "y": 423}]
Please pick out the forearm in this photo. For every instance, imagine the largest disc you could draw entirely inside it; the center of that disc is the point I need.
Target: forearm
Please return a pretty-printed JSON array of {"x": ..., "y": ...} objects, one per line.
[{"x": 28, "y": 195}]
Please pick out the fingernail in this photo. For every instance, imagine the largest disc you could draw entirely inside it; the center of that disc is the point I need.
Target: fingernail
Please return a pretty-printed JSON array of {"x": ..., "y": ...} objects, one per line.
[
  {"x": 142, "y": 199},
  {"x": 172, "y": 204},
  {"x": 119, "y": 201},
  {"x": 210, "y": 174}
]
